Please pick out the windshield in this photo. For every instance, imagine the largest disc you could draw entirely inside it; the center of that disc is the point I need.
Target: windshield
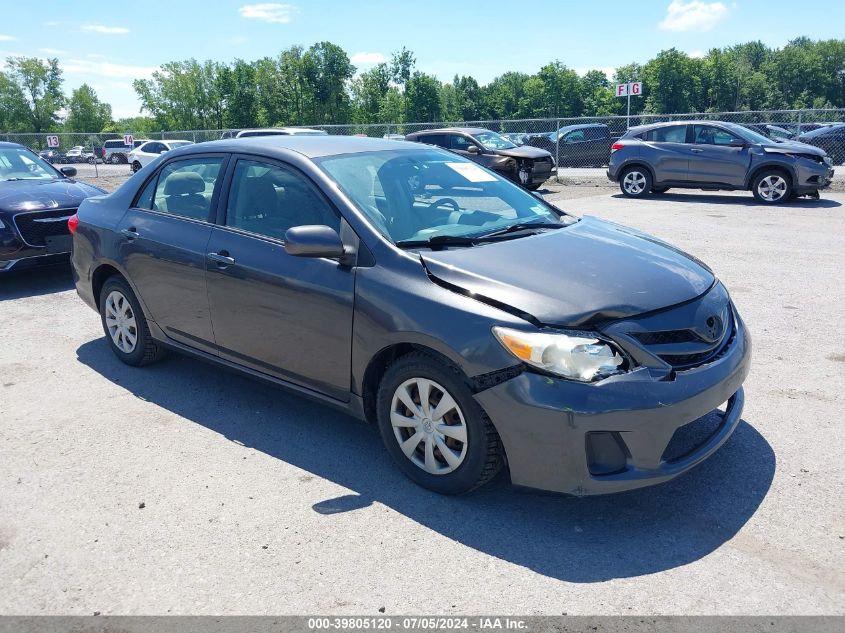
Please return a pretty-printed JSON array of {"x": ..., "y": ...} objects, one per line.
[
  {"x": 420, "y": 194},
  {"x": 491, "y": 140},
  {"x": 21, "y": 164},
  {"x": 174, "y": 144},
  {"x": 748, "y": 134}
]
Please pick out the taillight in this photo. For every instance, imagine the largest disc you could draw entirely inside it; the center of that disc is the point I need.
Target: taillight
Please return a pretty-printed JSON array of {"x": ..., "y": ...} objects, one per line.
[
  {"x": 72, "y": 223},
  {"x": 616, "y": 146}
]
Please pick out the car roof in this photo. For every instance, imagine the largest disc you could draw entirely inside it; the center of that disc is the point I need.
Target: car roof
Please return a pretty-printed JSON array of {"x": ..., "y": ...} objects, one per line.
[
  {"x": 581, "y": 126},
  {"x": 9, "y": 145},
  {"x": 461, "y": 130},
  {"x": 308, "y": 146},
  {"x": 651, "y": 126}
]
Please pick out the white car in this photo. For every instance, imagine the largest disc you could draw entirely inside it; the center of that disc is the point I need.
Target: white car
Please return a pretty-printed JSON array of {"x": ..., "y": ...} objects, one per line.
[
  {"x": 78, "y": 154},
  {"x": 144, "y": 154},
  {"x": 281, "y": 131}
]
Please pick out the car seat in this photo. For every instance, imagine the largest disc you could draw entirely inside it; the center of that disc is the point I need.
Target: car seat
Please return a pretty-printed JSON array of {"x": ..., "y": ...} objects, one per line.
[{"x": 183, "y": 195}]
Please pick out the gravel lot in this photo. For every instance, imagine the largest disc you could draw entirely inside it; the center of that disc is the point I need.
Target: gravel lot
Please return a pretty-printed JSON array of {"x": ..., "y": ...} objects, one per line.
[{"x": 181, "y": 488}]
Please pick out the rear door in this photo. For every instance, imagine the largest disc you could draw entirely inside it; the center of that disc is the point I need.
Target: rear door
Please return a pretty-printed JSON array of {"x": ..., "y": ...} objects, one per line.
[
  {"x": 289, "y": 317},
  {"x": 164, "y": 238},
  {"x": 667, "y": 152},
  {"x": 717, "y": 156}
]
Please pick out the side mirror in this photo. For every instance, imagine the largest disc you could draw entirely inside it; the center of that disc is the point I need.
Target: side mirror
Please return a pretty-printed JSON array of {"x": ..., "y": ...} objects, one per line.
[
  {"x": 473, "y": 149},
  {"x": 314, "y": 240},
  {"x": 70, "y": 172}
]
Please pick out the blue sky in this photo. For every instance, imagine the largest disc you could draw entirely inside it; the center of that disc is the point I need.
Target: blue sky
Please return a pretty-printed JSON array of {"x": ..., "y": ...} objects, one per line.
[{"x": 107, "y": 44}]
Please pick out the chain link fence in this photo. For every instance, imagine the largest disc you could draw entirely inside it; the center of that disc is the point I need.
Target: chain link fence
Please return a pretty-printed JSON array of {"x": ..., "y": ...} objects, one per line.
[{"x": 574, "y": 142}]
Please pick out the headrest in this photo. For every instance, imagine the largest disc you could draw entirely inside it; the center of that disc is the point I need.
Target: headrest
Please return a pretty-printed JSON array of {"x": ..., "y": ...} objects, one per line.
[{"x": 182, "y": 183}]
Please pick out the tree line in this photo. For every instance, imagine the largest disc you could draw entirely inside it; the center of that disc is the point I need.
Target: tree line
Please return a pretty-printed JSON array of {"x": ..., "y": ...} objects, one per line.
[{"x": 320, "y": 85}]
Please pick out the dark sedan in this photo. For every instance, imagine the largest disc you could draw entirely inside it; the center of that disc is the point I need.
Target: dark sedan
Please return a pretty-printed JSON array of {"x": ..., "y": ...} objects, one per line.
[
  {"x": 36, "y": 201},
  {"x": 830, "y": 138},
  {"x": 474, "y": 323},
  {"x": 528, "y": 166}
]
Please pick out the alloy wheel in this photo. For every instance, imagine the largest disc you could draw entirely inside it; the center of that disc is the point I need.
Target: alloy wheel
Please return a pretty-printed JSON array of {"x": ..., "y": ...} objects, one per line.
[
  {"x": 120, "y": 322},
  {"x": 634, "y": 182},
  {"x": 772, "y": 188},
  {"x": 429, "y": 426}
]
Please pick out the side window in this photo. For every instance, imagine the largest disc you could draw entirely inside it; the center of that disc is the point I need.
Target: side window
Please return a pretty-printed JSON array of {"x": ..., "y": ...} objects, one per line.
[
  {"x": 709, "y": 135},
  {"x": 145, "y": 200},
  {"x": 462, "y": 143},
  {"x": 669, "y": 134},
  {"x": 434, "y": 139},
  {"x": 574, "y": 137},
  {"x": 268, "y": 200},
  {"x": 185, "y": 187},
  {"x": 594, "y": 133}
]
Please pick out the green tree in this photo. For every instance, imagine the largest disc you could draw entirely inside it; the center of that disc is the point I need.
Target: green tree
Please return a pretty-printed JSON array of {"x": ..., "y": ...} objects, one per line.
[
  {"x": 673, "y": 82},
  {"x": 40, "y": 84},
  {"x": 422, "y": 97},
  {"x": 85, "y": 112}
]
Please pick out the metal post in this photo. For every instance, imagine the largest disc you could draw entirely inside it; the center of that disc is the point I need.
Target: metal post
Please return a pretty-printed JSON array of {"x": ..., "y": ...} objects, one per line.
[
  {"x": 557, "y": 152},
  {"x": 800, "y": 113},
  {"x": 628, "y": 118}
]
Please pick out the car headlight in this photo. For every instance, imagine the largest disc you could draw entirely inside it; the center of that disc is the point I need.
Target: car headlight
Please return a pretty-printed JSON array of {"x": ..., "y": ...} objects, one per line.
[{"x": 576, "y": 355}]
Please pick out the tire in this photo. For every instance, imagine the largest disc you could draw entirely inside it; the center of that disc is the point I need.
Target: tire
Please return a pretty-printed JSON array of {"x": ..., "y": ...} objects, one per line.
[
  {"x": 659, "y": 190},
  {"x": 474, "y": 460},
  {"x": 635, "y": 182},
  {"x": 92, "y": 161},
  {"x": 121, "y": 316},
  {"x": 136, "y": 166},
  {"x": 534, "y": 187},
  {"x": 772, "y": 186}
]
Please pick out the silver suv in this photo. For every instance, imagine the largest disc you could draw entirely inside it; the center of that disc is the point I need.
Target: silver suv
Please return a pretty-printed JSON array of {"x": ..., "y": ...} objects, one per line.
[{"x": 716, "y": 155}]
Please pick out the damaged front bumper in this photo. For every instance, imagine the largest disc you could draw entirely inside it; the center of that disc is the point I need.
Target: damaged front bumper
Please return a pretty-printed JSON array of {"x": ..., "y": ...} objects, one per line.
[{"x": 616, "y": 434}]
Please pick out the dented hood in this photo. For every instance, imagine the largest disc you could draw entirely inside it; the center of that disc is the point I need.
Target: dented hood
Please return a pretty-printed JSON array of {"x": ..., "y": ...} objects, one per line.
[{"x": 581, "y": 275}]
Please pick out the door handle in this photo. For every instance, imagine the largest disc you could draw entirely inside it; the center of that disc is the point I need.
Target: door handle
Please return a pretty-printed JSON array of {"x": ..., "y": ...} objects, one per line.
[
  {"x": 131, "y": 233},
  {"x": 221, "y": 259},
  {"x": 696, "y": 151}
]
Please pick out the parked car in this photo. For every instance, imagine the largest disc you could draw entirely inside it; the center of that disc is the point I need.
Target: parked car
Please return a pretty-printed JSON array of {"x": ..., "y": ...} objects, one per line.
[
  {"x": 36, "y": 200},
  {"x": 394, "y": 137},
  {"x": 583, "y": 145},
  {"x": 517, "y": 138},
  {"x": 715, "y": 155},
  {"x": 148, "y": 151},
  {"x": 80, "y": 154},
  {"x": 473, "y": 322},
  {"x": 774, "y": 132},
  {"x": 528, "y": 166},
  {"x": 52, "y": 156},
  {"x": 830, "y": 138},
  {"x": 116, "y": 152},
  {"x": 275, "y": 131}
]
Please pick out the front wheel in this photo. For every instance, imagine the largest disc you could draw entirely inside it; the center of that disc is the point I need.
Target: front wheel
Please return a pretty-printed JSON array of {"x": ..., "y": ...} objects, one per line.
[
  {"x": 635, "y": 182},
  {"x": 125, "y": 326},
  {"x": 772, "y": 186},
  {"x": 434, "y": 429},
  {"x": 92, "y": 160}
]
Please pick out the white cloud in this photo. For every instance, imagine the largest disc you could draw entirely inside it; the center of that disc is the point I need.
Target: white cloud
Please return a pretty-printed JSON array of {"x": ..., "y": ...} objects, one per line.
[
  {"x": 105, "y": 30},
  {"x": 52, "y": 51},
  {"x": 107, "y": 69},
  {"x": 692, "y": 16},
  {"x": 7, "y": 38},
  {"x": 367, "y": 58},
  {"x": 268, "y": 12},
  {"x": 697, "y": 54}
]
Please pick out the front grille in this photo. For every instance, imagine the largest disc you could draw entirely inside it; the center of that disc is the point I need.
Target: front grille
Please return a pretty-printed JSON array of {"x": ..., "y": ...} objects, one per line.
[
  {"x": 688, "y": 361},
  {"x": 690, "y": 437},
  {"x": 666, "y": 336},
  {"x": 36, "y": 226}
]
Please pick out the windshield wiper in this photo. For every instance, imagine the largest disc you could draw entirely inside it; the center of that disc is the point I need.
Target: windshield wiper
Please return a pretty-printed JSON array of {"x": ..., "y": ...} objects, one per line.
[
  {"x": 439, "y": 240},
  {"x": 520, "y": 226}
]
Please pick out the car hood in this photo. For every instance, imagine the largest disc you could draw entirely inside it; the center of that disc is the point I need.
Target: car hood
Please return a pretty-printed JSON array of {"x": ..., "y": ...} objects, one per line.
[
  {"x": 579, "y": 276},
  {"x": 524, "y": 152},
  {"x": 35, "y": 195},
  {"x": 792, "y": 147}
]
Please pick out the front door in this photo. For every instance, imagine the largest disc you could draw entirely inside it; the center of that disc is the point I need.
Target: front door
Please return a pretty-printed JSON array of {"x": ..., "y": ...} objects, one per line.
[
  {"x": 290, "y": 317},
  {"x": 717, "y": 157},
  {"x": 164, "y": 238}
]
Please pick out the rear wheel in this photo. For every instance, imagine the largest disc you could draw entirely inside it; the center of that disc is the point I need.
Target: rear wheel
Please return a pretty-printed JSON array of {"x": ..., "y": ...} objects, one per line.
[
  {"x": 635, "y": 182},
  {"x": 125, "y": 326},
  {"x": 136, "y": 166},
  {"x": 772, "y": 186},
  {"x": 434, "y": 429}
]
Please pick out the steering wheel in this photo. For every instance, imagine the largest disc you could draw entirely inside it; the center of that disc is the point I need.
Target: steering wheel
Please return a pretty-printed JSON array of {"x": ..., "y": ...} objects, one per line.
[{"x": 445, "y": 202}]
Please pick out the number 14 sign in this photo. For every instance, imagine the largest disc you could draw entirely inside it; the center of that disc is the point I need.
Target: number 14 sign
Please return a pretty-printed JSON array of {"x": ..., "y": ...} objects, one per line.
[{"x": 633, "y": 89}]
